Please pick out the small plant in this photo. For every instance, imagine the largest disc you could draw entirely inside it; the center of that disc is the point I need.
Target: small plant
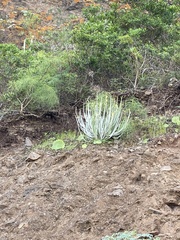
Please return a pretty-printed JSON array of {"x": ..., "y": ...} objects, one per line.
[
  {"x": 102, "y": 118},
  {"x": 143, "y": 127},
  {"x": 58, "y": 144},
  {"x": 136, "y": 108},
  {"x": 31, "y": 19},
  {"x": 176, "y": 121},
  {"x": 129, "y": 236},
  {"x": 67, "y": 140},
  {"x": 156, "y": 126}
]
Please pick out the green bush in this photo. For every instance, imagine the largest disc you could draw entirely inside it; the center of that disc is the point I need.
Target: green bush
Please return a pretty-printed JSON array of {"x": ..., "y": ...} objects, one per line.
[
  {"x": 29, "y": 93},
  {"x": 116, "y": 44},
  {"x": 136, "y": 108},
  {"x": 122, "y": 48},
  {"x": 32, "y": 90},
  {"x": 143, "y": 127},
  {"x": 12, "y": 62},
  {"x": 47, "y": 82}
]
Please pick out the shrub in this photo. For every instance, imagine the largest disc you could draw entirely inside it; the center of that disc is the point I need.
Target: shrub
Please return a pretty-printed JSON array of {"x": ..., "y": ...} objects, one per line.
[
  {"x": 136, "y": 108},
  {"x": 29, "y": 93},
  {"x": 12, "y": 62},
  {"x": 115, "y": 43},
  {"x": 47, "y": 82},
  {"x": 33, "y": 90},
  {"x": 142, "y": 127},
  {"x": 102, "y": 118}
]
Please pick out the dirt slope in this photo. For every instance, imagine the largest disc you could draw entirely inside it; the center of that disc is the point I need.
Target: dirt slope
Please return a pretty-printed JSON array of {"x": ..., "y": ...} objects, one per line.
[
  {"x": 87, "y": 194},
  {"x": 82, "y": 194}
]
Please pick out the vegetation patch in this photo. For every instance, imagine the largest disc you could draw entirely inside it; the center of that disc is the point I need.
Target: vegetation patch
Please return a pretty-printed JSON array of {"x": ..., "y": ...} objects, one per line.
[
  {"x": 102, "y": 119},
  {"x": 129, "y": 236}
]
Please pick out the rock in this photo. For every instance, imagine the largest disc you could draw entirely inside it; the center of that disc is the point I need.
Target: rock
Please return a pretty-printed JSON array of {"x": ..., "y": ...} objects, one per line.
[
  {"x": 28, "y": 142},
  {"x": 166, "y": 168},
  {"x": 3, "y": 206},
  {"x": 118, "y": 191},
  {"x": 148, "y": 92},
  {"x": 33, "y": 156},
  {"x": 176, "y": 161},
  {"x": 22, "y": 179},
  {"x": 23, "y": 224},
  {"x": 150, "y": 153},
  {"x": 74, "y": 6}
]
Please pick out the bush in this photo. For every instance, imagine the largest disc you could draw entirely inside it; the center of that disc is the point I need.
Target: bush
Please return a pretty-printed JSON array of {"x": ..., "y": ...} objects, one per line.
[
  {"x": 32, "y": 89},
  {"x": 143, "y": 127},
  {"x": 115, "y": 43},
  {"x": 122, "y": 48},
  {"x": 47, "y": 82},
  {"x": 29, "y": 93},
  {"x": 12, "y": 62},
  {"x": 136, "y": 108}
]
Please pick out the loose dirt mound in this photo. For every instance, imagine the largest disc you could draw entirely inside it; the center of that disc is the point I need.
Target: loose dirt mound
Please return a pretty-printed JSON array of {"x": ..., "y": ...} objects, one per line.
[{"x": 87, "y": 194}]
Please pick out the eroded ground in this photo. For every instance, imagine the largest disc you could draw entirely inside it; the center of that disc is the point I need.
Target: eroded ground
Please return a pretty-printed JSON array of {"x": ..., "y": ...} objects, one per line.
[
  {"x": 84, "y": 194},
  {"x": 90, "y": 193}
]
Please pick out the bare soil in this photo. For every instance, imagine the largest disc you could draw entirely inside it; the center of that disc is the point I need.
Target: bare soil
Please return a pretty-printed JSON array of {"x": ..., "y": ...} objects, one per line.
[{"x": 90, "y": 193}]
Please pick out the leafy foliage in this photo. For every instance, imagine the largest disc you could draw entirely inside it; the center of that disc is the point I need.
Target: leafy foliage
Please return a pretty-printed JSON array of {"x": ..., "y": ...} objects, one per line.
[
  {"x": 33, "y": 89},
  {"x": 114, "y": 42},
  {"x": 136, "y": 108},
  {"x": 176, "y": 123},
  {"x": 130, "y": 44},
  {"x": 46, "y": 81},
  {"x": 30, "y": 93},
  {"x": 67, "y": 140},
  {"x": 143, "y": 127},
  {"x": 12, "y": 62},
  {"x": 58, "y": 144},
  {"x": 176, "y": 120}
]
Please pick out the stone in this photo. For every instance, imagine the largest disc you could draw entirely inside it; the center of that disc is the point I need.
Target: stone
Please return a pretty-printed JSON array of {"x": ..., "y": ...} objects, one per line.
[
  {"x": 166, "y": 168},
  {"x": 28, "y": 142},
  {"x": 117, "y": 192},
  {"x": 33, "y": 156}
]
